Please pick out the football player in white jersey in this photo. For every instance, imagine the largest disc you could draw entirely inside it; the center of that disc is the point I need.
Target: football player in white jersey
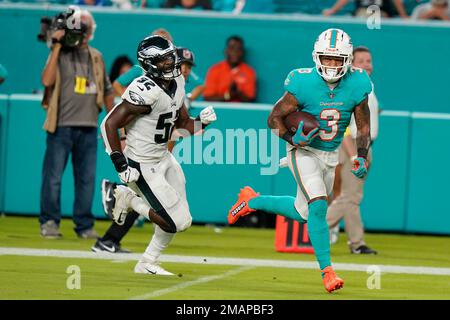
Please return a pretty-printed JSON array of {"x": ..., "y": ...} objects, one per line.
[{"x": 151, "y": 107}]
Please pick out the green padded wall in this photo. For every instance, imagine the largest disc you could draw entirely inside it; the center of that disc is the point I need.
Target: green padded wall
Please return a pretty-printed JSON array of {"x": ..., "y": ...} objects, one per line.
[
  {"x": 408, "y": 75},
  {"x": 405, "y": 191}
]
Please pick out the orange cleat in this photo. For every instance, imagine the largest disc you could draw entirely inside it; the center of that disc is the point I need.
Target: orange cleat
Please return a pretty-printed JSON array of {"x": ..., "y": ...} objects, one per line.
[
  {"x": 241, "y": 208},
  {"x": 331, "y": 281}
]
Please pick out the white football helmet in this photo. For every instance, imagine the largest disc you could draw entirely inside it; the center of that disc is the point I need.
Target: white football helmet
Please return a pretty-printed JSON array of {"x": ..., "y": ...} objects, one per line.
[{"x": 336, "y": 43}]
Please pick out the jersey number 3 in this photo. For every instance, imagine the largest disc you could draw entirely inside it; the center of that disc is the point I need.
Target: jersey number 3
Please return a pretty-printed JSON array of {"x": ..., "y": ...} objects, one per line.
[{"x": 332, "y": 116}]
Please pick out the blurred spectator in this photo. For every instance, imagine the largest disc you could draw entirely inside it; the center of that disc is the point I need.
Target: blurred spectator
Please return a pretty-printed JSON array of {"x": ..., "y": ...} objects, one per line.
[
  {"x": 3, "y": 74},
  {"x": 194, "y": 84},
  {"x": 231, "y": 79},
  {"x": 122, "y": 82},
  {"x": 400, "y": 6},
  {"x": 122, "y": 4},
  {"x": 189, "y": 4},
  {"x": 121, "y": 65},
  {"x": 254, "y": 6},
  {"x": 386, "y": 7},
  {"x": 91, "y": 2},
  {"x": 405, "y": 7},
  {"x": 434, "y": 10},
  {"x": 77, "y": 87}
]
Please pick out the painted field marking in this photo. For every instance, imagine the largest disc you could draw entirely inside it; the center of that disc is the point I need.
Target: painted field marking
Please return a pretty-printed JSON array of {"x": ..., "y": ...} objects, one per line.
[
  {"x": 183, "y": 285},
  {"x": 270, "y": 263}
]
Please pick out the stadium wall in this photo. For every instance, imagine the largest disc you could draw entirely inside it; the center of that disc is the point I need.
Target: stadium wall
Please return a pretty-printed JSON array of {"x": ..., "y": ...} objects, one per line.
[
  {"x": 409, "y": 57},
  {"x": 405, "y": 191}
]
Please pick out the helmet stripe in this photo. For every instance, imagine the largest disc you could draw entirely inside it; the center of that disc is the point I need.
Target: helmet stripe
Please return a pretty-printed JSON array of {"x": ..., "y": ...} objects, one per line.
[{"x": 333, "y": 38}]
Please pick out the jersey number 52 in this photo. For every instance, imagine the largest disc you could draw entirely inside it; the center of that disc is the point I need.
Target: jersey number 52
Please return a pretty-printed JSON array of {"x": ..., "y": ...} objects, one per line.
[{"x": 166, "y": 123}]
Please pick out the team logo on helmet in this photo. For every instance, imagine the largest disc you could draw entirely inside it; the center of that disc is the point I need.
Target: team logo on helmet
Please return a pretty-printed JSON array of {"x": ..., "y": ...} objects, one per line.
[{"x": 187, "y": 54}]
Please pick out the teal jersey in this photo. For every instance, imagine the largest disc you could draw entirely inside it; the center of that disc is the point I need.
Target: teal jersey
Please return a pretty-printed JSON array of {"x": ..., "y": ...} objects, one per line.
[
  {"x": 126, "y": 78},
  {"x": 331, "y": 107}
]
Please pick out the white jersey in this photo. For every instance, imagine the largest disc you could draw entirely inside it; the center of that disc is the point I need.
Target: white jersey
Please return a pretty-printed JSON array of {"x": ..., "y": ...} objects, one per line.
[
  {"x": 373, "y": 106},
  {"x": 147, "y": 136}
]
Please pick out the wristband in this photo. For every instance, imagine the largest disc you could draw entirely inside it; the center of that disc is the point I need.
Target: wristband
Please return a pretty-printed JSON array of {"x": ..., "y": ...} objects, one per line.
[
  {"x": 198, "y": 119},
  {"x": 119, "y": 161},
  {"x": 362, "y": 152}
]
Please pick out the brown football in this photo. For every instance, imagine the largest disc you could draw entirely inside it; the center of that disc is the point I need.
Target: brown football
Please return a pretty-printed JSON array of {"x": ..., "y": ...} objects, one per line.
[{"x": 293, "y": 119}]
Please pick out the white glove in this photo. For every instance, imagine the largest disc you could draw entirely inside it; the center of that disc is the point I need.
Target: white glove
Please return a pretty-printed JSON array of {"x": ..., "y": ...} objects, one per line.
[
  {"x": 129, "y": 175},
  {"x": 208, "y": 115}
]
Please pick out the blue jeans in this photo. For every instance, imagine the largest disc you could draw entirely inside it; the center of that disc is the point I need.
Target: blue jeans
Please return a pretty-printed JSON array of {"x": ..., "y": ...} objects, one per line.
[{"x": 82, "y": 143}]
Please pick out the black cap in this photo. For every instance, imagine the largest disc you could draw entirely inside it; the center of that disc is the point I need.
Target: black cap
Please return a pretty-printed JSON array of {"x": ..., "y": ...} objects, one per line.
[{"x": 186, "y": 56}]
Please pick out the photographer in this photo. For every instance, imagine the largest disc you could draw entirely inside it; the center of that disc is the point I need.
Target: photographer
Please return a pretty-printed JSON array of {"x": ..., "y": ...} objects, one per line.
[{"x": 76, "y": 88}]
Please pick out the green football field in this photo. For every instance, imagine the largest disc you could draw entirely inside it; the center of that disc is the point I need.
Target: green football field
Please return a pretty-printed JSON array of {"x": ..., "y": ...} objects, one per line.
[{"x": 215, "y": 263}]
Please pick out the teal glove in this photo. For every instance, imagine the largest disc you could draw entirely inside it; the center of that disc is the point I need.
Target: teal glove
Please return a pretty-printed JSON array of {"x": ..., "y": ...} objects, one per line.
[
  {"x": 300, "y": 139},
  {"x": 359, "y": 167}
]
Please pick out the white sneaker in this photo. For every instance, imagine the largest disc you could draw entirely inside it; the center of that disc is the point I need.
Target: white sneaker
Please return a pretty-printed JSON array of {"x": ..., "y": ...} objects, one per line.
[
  {"x": 123, "y": 196},
  {"x": 151, "y": 268}
]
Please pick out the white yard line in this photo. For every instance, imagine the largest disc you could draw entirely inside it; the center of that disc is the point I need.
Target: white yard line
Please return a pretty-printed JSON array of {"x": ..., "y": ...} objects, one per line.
[
  {"x": 183, "y": 285},
  {"x": 223, "y": 261}
]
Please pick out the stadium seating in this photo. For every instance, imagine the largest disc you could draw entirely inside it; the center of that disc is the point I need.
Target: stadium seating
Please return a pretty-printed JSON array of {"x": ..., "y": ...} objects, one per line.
[{"x": 312, "y": 7}]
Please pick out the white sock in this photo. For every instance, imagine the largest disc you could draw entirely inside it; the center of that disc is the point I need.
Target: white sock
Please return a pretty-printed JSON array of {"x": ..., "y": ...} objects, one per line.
[
  {"x": 140, "y": 206},
  {"x": 159, "y": 242}
]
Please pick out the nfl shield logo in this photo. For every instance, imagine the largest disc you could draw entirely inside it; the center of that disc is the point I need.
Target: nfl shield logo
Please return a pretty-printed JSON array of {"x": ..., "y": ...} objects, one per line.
[
  {"x": 332, "y": 95},
  {"x": 186, "y": 54}
]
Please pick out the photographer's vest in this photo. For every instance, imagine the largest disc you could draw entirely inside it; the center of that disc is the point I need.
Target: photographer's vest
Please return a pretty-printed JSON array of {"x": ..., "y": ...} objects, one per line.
[{"x": 51, "y": 95}]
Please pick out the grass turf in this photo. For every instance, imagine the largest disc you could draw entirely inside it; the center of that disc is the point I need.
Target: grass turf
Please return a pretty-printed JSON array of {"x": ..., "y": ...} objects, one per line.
[{"x": 45, "y": 278}]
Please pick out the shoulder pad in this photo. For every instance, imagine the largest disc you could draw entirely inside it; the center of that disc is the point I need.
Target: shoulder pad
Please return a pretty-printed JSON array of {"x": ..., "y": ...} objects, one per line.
[{"x": 142, "y": 91}]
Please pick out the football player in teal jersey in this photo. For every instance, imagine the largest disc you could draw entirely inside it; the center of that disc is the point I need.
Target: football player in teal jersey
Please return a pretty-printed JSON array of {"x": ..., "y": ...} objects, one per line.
[{"x": 331, "y": 92}]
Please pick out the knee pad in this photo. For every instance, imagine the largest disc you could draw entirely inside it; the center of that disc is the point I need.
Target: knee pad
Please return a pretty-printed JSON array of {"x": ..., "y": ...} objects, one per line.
[
  {"x": 185, "y": 224},
  {"x": 165, "y": 193},
  {"x": 172, "y": 202},
  {"x": 182, "y": 217}
]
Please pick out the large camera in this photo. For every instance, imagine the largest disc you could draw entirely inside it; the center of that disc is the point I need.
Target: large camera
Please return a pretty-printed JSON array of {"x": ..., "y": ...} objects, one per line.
[{"x": 70, "y": 22}]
